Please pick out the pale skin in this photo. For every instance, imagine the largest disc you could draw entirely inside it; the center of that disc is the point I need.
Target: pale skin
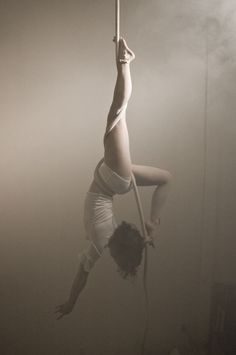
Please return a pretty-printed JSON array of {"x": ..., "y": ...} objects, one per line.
[{"x": 117, "y": 157}]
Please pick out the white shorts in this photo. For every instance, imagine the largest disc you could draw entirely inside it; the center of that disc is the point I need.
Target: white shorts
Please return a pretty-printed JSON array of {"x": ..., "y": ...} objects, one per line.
[{"x": 110, "y": 179}]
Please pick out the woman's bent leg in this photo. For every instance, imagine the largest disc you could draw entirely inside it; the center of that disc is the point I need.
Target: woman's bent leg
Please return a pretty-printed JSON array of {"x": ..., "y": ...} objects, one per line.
[{"x": 151, "y": 176}]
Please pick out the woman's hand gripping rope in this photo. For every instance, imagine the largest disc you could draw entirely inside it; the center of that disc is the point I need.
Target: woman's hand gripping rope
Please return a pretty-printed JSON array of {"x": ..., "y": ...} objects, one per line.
[{"x": 151, "y": 227}]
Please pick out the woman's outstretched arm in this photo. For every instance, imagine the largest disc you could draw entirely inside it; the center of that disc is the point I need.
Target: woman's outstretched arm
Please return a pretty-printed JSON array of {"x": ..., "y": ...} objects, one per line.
[
  {"x": 87, "y": 259},
  {"x": 78, "y": 285}
]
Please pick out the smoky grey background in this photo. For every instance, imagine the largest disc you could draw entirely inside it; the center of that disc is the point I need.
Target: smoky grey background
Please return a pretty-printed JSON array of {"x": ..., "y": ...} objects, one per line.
[{"x": 57, "y": 79}]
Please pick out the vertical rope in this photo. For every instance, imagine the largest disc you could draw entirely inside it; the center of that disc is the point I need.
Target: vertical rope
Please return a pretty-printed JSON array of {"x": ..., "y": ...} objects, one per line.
[
  {"x": 117, "y": 25},
  {"x": 140, "y": 209},
  {"x": 137, "y": 197},
  {"x": 144, "y": 233},
  {"x": 205, "y": 150}
]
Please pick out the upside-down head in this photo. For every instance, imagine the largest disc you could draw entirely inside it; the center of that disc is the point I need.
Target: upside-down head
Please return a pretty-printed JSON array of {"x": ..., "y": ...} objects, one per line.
[{"x": 126, "y": 247}]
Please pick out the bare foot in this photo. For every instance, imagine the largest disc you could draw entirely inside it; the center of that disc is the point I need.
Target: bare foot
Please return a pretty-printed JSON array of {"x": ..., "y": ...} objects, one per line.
[{"x": 125, "y": 54}]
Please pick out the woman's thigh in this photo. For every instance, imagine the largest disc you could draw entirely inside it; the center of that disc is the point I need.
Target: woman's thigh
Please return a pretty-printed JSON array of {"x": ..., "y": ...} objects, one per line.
[
  {"x": 117, "y": 150},
  {"x": 149, "y": 175}
]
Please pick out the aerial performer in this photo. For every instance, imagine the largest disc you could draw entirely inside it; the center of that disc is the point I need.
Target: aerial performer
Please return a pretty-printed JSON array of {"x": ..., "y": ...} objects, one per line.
[{"x": 112, "y": 176}]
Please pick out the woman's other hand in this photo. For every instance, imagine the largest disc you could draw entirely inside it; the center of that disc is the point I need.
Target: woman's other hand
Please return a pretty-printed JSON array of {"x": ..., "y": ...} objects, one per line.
[
  {"x": 64, "y": 309},
  {"x": 151, "y": 227}
]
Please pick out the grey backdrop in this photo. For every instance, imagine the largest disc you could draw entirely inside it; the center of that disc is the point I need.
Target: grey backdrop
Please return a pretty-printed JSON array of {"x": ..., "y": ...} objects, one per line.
[{"x": 57, "y": 76}]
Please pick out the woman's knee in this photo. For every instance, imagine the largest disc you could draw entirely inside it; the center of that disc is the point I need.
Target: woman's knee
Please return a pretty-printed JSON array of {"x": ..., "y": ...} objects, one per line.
[
  {"x": 166, "y": 177},
  {"x": 120, "y": 101}
]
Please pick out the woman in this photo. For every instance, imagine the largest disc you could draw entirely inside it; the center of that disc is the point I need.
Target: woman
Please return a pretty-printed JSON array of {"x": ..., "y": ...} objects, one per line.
[{"x": 113, "y": 176}]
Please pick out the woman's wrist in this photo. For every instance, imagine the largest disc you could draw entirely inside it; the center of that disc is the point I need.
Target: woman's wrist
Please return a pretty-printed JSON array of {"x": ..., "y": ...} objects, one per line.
[
  {"x": 71, "y": 304},
  {"x": 156, "y": 221},
  {"x": 152, "y": 225}
]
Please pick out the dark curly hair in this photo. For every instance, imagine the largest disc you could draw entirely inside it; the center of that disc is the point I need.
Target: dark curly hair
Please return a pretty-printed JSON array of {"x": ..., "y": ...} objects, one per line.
[{"x": 126, "y": 247}]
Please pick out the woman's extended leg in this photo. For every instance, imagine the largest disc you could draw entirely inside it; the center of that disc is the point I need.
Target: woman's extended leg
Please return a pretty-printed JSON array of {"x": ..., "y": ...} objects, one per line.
[{"x": 116, "y": 139}]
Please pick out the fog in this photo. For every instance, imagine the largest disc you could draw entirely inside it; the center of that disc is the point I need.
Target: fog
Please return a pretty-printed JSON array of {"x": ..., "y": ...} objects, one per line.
[{"x": 57, "y": 78}]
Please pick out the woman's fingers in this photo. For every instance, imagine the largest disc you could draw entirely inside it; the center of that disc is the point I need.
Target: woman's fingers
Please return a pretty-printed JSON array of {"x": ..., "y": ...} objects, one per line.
[
  {"x": 58, "y": 308},
  {"x": 60, "y": 316},
  {"x": 149, "y": 241},
  {"x": 63, "y": 309}
]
